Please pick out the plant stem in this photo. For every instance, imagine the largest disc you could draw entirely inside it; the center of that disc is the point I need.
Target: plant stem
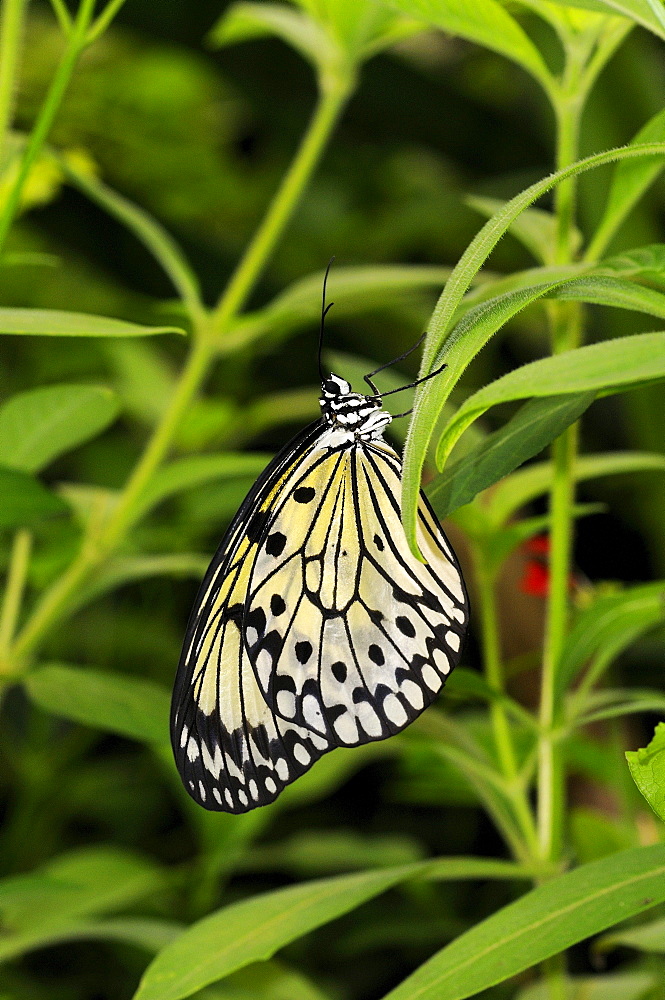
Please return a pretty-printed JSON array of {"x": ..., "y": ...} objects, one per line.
[
  {"x": 11, "y": 604},
  {"x": 75, "y": 45},
  {"x": 62, "y": 15},
  {"x": 323, "y": 121},
  {"x": 102, "y": 22},
  {"x": 566, "y": 331},
  {"x": 11, "y": 28},
  {"x": 55, "y": 601},
  {"x": 491, "y": 646}
]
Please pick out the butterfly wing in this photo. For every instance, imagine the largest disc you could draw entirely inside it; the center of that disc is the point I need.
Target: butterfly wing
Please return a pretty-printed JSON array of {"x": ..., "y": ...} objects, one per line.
[
  {"x": 232, "y": 751},
  {"x": 350, "y": 636}
]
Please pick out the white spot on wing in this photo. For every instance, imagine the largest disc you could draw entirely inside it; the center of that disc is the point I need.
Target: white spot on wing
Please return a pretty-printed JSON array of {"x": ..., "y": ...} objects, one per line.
[
  {"x": 431, "y": 677},
  {"x": 286, "y": 704},
  {"x": 394, "y": 710},
  {"x": 346, "y": 729},
  {"x": 453, "y": 640}
]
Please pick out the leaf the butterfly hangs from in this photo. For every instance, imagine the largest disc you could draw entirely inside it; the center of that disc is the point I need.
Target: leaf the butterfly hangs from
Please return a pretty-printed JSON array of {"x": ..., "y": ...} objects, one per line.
[{"x": 315, "y": 626}]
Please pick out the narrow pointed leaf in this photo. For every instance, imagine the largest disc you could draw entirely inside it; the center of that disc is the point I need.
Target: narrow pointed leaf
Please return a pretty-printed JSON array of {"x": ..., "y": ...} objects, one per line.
[
  {"x": 254, "y": 929},
  {"x": 432, "y": 396},
  {"x": 611, "y": 365},
  {"x": 532, "y": 428},
  {"x": 56, "y": 323},
  {"x": 114, "y": 703},
  {"x": 544, "y": 922}
]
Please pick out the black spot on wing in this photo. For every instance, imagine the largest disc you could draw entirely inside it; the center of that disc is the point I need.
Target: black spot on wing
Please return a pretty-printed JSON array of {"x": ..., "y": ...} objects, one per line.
[
  {"x": 304, "y": 494},
  {"x": 275, "y": 544}
]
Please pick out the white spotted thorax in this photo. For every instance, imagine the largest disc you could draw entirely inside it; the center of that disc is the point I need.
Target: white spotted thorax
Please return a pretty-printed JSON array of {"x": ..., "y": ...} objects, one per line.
[
  {"x": 350, "y": 415},
  {"x": 315, "y": 626}
]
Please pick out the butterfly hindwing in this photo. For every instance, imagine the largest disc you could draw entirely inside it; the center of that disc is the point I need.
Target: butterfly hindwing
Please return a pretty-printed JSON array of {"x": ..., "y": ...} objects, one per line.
[
  {"x": 350, "y": 636},
  {"x": 233, "y": 752}
]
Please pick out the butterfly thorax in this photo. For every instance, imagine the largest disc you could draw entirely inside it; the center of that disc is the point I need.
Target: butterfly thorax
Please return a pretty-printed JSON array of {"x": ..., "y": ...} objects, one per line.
[{"x": 352, "y": 415}]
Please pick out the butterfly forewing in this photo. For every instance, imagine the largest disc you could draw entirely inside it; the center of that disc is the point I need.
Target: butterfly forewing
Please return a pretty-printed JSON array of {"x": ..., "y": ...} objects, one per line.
[
  {"x": 351, "y": 637},
  {"x": 232, "y": 752}
]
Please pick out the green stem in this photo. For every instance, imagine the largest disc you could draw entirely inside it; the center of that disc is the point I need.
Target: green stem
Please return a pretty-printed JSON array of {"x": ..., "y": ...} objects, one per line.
[
  {"x": 55, "y": 601},
  {"x": 566, "y": 333},
  {"x": 102, "y": 22},
  {"x": 11, "y": 605},
  {"x": 11, "y": 29},
  {"x": 323, "y": 121},
  {"x": 491, "y": 646},
  {"x": 63, "y": 16},
  {"x": 75, "y": 45}
]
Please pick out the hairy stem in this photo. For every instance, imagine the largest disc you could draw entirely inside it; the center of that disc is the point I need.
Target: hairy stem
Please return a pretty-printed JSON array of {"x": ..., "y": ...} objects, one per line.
[
  {"x": 76, "y": 41},
  {"x": 13, "y": 596},
  {"x": 12, "y": 17}
]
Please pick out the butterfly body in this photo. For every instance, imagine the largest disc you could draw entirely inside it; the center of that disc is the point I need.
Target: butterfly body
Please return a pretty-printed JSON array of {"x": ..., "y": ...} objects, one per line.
[{"x": 315, "y": 626}]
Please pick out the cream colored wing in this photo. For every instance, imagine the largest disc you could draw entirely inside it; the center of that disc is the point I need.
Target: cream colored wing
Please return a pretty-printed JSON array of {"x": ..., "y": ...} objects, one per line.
[
  {"x": 231, "y": 749},
  {"x": 349, "y": 635}
]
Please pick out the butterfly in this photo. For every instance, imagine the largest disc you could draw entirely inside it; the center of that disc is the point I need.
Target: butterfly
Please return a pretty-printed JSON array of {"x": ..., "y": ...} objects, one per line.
[{"x": 315, "y": 627}]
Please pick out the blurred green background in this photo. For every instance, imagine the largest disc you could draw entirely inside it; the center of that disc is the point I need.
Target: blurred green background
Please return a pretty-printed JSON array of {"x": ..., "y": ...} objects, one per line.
[{"x": 201, "y": 139}]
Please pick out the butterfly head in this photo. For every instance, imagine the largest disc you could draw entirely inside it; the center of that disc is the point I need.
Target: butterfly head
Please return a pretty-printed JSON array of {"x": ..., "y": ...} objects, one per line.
[{"x": 358, "y": 416}]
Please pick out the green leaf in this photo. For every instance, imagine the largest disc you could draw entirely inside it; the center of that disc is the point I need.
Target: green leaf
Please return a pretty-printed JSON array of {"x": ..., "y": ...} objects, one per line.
[
  {"x": 615, "y": 986},
  {"x": 535, "y": 228},
  {"x": 244, "y": 21},
  {"x": 646, "y": 937},
  {"x": 544, "y": 922},
  {"x": 126, "y": 705},
  {"x": 609, "y": 291},
  {"x": 527, "y": 484},
  {"x": 312, "y": 853},
  {"x": 187, "y": 473},
  {"x": 648, "y": 13},
  {"x": 485, "y": 22},
  {"x": 629, "y": 182},
  {"x": 608, "y": 366},
  {"x": 647, "y": 767},
  {"x": 596, "y": 835},
  {"x": 331, "y": 36},
  {"x": 432, "y": 396},
  {"x": 533, "y": 427},
  {"x": 86, "y": 881},
  {"x": 620, "y": 701},
  {"x": 54, "y": 323},
  {"x": 254, "y": 929},
  {"x": 149, "y": 935},
  {"x": 38, "y": 426},
  {"x": 267, "y": 981},
  {"x": 644, "y": 264},
  {"x": 607, "y": 627},
  {"x": 127, "y": 569},
  {"x": 24, "y": 501},
  {"x": 135, "y": 364}
]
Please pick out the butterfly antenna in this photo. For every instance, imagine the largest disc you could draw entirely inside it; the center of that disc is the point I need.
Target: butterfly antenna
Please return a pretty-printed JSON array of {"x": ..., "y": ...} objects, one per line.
[
  {"x": 412, "y": 385},
  {"x": 324, "y": 312},
  {"x": 388, "y": 364}
]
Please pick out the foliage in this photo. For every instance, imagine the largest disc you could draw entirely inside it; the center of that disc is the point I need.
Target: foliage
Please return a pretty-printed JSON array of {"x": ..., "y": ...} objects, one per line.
[{"x": 140, "y": 402}]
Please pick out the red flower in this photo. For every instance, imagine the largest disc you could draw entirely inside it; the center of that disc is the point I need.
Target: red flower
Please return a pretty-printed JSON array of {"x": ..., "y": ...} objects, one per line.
[{"x": 536, "y": 577}]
